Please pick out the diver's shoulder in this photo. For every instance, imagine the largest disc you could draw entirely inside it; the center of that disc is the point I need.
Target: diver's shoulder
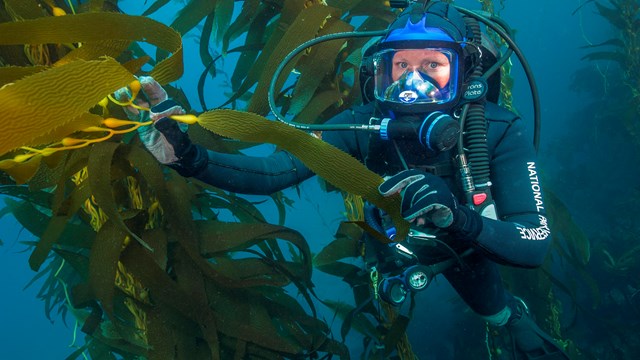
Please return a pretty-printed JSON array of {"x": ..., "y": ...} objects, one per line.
[
  {"x": 501, "y": 123},
  {"x": 497, "y": 113}
]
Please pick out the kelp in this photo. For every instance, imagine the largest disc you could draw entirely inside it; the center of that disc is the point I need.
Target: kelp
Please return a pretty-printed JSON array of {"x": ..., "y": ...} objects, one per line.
[
  {"x": 342, "y": 172},
  {"x": 28, "y": 113},
  {"x": 117, "y": 192},
  {"x": 226, "y": 284}
]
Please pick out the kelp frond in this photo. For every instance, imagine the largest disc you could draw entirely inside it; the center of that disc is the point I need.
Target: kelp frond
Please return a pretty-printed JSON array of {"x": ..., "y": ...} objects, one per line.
[{"x": 152, "y": 284}]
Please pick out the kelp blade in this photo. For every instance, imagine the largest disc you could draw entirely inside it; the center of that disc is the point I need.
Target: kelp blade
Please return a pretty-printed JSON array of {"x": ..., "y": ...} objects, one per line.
[
  {"x": 29, "y": 114},
  {"x": 99, "y": 27},
  {"x": 325, "y": 160}
]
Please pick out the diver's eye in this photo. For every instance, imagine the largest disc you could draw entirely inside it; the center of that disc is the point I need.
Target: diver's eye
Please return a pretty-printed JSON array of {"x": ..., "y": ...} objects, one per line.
[
  {"x": 433, "y": 65},
  {"x": 402, "y": 65}
]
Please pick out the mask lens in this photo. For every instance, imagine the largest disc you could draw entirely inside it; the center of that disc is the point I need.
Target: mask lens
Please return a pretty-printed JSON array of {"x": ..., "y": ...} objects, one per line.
[{"x": 420, "y": 76}]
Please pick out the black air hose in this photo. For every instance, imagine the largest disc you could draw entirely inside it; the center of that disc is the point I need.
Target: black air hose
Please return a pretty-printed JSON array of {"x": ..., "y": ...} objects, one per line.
[{"x": 475, "y": 131}]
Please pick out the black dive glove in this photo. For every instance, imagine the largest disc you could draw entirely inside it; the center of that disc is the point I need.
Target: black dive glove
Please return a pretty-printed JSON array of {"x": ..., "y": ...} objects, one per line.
[
  {"x": 166, "y": 139},
  {"x": 427, "y": 199}
]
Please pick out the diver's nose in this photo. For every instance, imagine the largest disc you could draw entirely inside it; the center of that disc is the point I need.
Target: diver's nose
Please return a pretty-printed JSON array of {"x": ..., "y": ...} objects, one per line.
[{"x": 416, "y": 74}]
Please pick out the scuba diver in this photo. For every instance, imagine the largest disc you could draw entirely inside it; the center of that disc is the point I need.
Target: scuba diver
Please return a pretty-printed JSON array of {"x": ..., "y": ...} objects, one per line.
[{"x": 423, "y": 89}]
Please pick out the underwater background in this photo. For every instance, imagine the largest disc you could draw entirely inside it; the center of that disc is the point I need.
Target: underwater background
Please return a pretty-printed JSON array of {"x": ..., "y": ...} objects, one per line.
[{"x": 588, "y": 158}]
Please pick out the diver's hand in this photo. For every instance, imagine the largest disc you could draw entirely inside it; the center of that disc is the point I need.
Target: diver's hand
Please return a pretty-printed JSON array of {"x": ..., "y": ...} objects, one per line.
[
  {"x": 167, "y": 140},
  {"x": 154, "y": 97},
  {"x": 425, "y": 197}
]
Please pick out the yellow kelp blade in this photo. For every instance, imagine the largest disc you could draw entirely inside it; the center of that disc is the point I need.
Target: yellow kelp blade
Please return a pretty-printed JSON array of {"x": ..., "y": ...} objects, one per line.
[
  {"x": 47, "y": 100},
  {"x": 9, "y": 74},
  {"x": 325, "y": 160},
  {"x": 23, "y": 171},
  {"x": 99, "y": 27}
]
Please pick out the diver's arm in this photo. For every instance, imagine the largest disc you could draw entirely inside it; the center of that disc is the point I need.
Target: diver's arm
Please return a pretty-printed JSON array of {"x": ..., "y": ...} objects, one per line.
[
  {"x": 521, "y": 236},
  {"x": 253, "y": 175},
  {"x": 266, "y": 175}
]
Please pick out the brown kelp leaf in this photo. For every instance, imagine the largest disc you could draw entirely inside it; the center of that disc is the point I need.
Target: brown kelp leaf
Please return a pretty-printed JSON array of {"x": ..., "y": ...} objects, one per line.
[
  {"x": 95, "y": 50},
  {"x": 281, "y": 202},
  {"x": 317, "y": 105},
  {"x": 205, "y": 55},
  {"x": 79, "y": 262},
  {"x": 178, "y": 198},
  {"x": 224, "y": 14},
  {"x": 162, "y": 338},
  {"x": 338, "y": 249},
  {"x": 9, "y": 74},
  {"x": 35, "y": 221},
  {"x": 28, "y": 216},
  {"x": 258, "y": 30},
  {"x": 21, "y": 172},
  {"x": 36, "y": 197},
  {"x": 347, "y": 5},
  {"x": 103, "y": 263},
  {"x": 316, "y": 65},
  {"x": 251, "y": 272},
  {"x": 342, "y": 171},
  {"x": 357, "y": 319},
  {"x": 23, "y": 10},
  {"x": 47, "y": 100},
  {"x": 247, "y": 318},
  {"x": 217, "y": 237},
  {"x": 49, "y": 176},
  {"x": 191, "y": 14},
  {"x": 307, "y": 331},
  {"x": 97, "y": 27},
  {"x": 97, "y": 5},
  {"x": 56, "y": 225},
  {"x": 168, "y": 296},
  {"x": 162, "y": 288},
  {"x": 189, "y": 276},
  {"x": 250, "y": 9},
  {"x": 99, "y": 170},
  {"x": 305, "y": 27},
  {"x": 263, "y": 25}
]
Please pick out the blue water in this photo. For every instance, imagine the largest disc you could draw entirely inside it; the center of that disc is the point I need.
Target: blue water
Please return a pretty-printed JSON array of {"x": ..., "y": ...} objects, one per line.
[{"x": 549, "y": 35}]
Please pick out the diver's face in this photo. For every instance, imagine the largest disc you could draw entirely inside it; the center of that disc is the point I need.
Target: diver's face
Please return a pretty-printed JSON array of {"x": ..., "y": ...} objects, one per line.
[{"x": 431, "y": 62}]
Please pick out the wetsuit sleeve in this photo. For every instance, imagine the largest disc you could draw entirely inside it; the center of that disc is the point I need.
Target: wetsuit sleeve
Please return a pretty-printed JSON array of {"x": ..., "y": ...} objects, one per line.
[
  {"x": 266, "y": 175},
  {"x": 521, "y": 235},
  {"x": 253, "y": 175}
]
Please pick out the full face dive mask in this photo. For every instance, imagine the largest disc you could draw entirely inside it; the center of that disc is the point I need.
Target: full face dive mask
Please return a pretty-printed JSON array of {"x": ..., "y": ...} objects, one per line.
[{"x": 416, "y": 79}]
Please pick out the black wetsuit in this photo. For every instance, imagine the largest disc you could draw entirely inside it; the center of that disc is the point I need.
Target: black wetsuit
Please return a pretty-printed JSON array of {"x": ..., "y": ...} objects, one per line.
[{"x": 520, "y": 237}]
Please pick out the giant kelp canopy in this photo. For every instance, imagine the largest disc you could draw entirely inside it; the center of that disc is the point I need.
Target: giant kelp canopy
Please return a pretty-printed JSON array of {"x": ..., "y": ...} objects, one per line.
[{"x": 140, "y": 283}]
